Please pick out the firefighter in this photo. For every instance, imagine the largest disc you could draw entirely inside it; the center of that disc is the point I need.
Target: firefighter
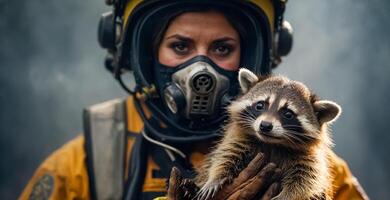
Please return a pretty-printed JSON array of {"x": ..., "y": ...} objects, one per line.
[{"x": 184, "y": 56}]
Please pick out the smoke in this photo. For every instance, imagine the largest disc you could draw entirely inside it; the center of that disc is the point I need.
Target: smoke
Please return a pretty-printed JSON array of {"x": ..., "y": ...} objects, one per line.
[
  {"x": 52, "y": 67},
  {"x": 341, "y": 51}
]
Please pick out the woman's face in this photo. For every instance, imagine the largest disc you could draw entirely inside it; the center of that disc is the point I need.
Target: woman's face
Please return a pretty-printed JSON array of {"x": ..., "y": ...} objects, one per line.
[{"x": 200, "y": 33}]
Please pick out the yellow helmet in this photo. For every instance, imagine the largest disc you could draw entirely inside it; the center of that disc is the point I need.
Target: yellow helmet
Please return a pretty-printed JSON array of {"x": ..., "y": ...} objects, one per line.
[{"x": 127, "y": 31}]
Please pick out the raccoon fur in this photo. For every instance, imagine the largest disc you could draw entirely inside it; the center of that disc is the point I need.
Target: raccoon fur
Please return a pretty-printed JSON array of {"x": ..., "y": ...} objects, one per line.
[{"x": 285, "y": 121}]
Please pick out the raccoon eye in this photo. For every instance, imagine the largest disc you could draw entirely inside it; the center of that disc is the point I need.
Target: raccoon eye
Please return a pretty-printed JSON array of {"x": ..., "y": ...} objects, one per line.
[
  {"x": 288, "y": 114},
  {"x": 259, "y": 106}
]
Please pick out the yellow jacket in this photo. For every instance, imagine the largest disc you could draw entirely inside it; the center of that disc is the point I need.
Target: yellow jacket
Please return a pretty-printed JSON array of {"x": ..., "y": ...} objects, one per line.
[{"x": 63, "y": 175}]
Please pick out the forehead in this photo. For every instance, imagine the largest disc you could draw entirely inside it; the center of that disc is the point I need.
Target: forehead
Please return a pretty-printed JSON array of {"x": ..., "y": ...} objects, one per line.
[{"x": 202, "y": 23}]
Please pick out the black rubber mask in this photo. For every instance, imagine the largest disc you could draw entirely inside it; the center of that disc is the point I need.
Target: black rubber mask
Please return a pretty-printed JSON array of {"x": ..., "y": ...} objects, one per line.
[{"x": 197, "y": 89}]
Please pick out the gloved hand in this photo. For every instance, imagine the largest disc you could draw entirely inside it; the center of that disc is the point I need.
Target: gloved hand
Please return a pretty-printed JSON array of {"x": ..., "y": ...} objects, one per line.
[{"x": 254, "y": 182}]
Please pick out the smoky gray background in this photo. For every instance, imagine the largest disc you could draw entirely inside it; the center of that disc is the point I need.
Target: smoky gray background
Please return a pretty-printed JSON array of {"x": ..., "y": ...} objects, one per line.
[{"x": 51, "y": 67}]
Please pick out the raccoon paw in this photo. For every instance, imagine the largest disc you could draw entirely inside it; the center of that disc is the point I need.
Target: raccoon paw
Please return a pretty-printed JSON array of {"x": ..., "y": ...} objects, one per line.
[{"x": 210, "y": 189}]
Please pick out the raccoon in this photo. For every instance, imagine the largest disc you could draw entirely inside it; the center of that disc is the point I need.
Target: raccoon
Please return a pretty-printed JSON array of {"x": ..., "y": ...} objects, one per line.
[{"x": 285, "y": 121}]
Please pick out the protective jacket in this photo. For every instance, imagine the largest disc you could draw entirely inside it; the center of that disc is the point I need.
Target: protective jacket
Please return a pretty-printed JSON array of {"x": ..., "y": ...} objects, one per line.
[{"x": 87, "y": 167}]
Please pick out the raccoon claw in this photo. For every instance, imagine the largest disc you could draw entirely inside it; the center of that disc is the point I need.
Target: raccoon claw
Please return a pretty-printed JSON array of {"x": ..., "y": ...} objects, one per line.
[
  {"x": 210, "y": 189},
  {"x": 207, "y": 192}
]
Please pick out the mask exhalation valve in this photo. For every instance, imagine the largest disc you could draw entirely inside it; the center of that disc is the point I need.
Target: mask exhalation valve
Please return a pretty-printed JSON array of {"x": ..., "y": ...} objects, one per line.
[{"x": 202, "y": 84}]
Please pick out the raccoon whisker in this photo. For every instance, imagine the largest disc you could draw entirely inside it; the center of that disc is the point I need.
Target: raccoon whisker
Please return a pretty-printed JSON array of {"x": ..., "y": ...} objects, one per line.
[
  {"x": 244, "y": 119},
  {"x": 247, "y": 126},
  {"x": 244, "y": 123},
  {"x": 294, "y": 138},
  {"x": 249, "y": 112},
  {"x": 245, "y": 115},
  {"x": 293, "y": 126},
  {"x": 295, "y": 135},
  {"x": 290, "y": 140},
  {"x": 248, "y": 117},
  {"x": 300, "y": 137},
  {"x": 301, "y": 134}
]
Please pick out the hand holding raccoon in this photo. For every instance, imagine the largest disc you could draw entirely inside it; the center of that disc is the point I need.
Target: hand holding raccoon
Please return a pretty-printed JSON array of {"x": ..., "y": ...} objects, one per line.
[
  {"x": 285, "y": 121},
  {"x": 252, "y": 182}
]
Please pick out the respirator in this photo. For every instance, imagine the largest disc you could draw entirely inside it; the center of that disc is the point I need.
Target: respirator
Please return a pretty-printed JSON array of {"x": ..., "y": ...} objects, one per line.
[{"x": 197, "y": 89}]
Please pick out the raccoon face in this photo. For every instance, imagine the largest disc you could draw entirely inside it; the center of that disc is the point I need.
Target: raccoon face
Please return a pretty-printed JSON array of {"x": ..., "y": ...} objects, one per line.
[
  {"x": 281, "y": 111},
  {"x": 273, "y": 118}
]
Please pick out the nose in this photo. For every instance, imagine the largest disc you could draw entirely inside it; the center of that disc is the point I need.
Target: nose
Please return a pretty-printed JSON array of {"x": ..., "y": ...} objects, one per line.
[{"x": 266, "y": 126}]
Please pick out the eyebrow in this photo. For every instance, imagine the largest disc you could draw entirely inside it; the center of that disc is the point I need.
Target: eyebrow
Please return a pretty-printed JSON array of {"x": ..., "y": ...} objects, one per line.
[
  {"x": 224, "y": 39},
  {"x": 180, "y": 37},
  {"x": 188, "y": 39}
]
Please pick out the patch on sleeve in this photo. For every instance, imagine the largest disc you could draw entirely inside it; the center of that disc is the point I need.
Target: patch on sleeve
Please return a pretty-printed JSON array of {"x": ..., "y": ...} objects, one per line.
[{"x": 42, "y": 188}]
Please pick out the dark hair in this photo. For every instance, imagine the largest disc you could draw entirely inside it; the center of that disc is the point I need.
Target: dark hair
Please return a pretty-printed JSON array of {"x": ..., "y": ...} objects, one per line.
[{"x": 162, "y": 26}]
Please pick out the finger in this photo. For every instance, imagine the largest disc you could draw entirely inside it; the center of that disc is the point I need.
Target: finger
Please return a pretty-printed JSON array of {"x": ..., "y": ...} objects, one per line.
[
  {"x": 174, "y": 182},
  {"x": 250, "y": 171},
  {"x": 277, "y": 175},
  {"x": 272, "y": 191},
  {"x": 234, "y": 196},
  {"x": 257, "y": 183},
  {"x": 253, "y": 167}
]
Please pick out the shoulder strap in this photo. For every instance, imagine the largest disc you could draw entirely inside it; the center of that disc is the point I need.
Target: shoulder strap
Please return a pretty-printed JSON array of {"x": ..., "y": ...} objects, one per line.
[{"x": 105, "y": 136}]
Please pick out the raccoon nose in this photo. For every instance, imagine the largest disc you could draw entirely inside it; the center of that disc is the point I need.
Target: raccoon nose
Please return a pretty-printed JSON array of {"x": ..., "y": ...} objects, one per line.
[{"x": 266, "y": 126}]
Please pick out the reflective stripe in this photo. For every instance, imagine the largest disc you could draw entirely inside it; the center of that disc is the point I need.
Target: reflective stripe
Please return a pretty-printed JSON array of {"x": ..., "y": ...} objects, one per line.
[
  {"x": 151, "y": 183},
  {"x": 105, "y": 138}
]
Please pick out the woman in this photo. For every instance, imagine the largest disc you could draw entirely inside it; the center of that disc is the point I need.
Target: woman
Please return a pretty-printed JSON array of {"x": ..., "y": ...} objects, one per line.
[{"x": 185, "y": 55}]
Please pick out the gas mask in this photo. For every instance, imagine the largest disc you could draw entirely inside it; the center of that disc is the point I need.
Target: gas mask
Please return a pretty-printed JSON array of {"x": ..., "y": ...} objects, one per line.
[{"x": 196, "y": 89}]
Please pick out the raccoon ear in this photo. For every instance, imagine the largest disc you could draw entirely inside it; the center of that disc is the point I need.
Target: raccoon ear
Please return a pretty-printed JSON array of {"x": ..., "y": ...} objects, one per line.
[
  {"x": 247, "y": 79},
  {"x": 326, "y": 111}
]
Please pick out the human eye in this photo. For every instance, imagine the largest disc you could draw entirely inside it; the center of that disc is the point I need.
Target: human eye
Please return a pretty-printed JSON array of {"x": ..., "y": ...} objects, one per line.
[
  {"x": 180, "y": 47},
  {"x": 222, "y": 49}
]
